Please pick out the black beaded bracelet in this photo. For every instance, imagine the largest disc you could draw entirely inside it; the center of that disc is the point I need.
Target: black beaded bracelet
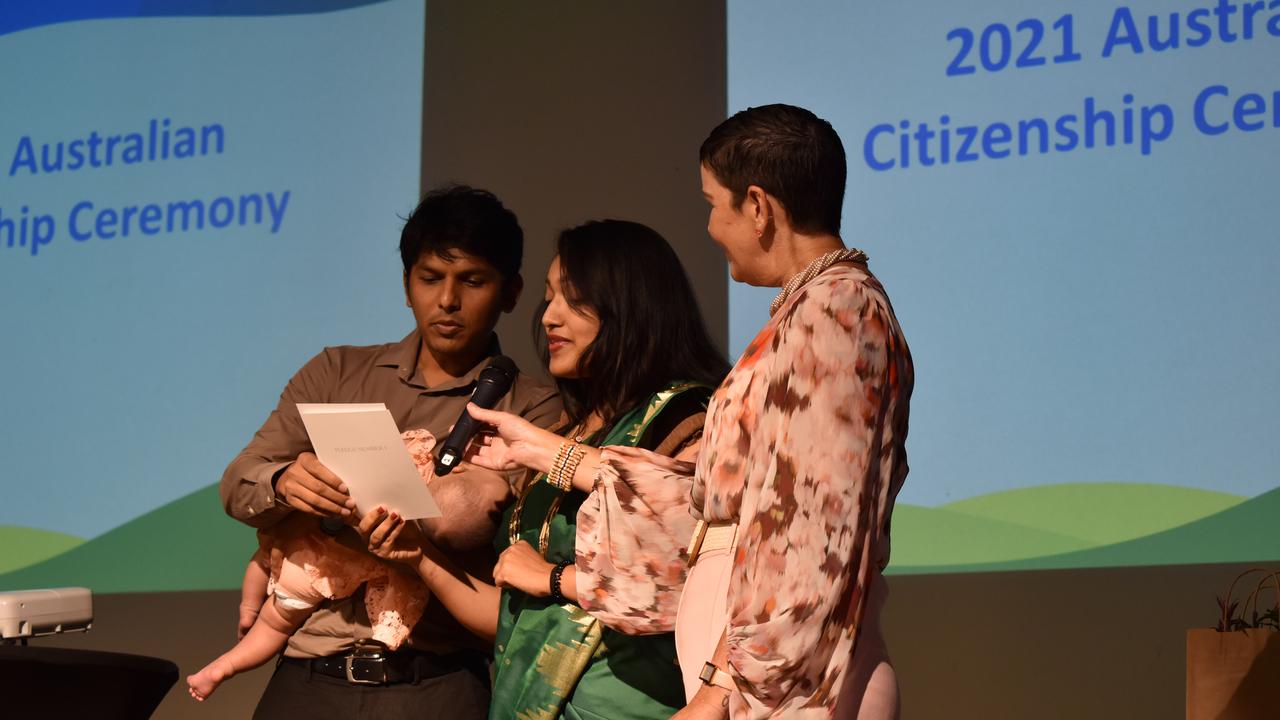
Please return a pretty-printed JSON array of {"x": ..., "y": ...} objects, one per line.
[{"x": 558, "y": 597}]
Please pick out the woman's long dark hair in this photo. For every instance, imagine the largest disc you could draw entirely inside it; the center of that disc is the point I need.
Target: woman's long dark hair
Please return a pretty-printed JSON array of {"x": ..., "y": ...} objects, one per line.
[{"x": 651, "y": 331}]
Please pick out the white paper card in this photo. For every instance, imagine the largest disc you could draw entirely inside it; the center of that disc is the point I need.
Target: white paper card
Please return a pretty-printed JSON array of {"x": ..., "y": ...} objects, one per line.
[{"x": 361, "y": 444}]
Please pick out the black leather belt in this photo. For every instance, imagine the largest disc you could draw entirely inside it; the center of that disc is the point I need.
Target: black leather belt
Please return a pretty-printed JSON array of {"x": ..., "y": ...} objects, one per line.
[{"x": 373, "y": 667}]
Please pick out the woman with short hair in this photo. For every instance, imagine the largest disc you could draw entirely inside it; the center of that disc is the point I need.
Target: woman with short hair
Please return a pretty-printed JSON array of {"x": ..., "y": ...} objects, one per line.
[{"x": 803, "y": 451}]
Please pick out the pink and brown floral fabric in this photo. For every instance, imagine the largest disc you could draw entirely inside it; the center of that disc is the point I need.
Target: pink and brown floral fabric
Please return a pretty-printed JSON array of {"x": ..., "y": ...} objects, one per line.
[{"x": 804, "y": 448}]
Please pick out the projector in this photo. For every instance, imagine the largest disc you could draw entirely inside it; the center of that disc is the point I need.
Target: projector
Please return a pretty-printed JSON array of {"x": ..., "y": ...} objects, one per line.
[{"x": 33, "y": 613}]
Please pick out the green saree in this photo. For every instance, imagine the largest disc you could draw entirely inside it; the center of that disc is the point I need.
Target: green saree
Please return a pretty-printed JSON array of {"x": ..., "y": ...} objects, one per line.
[{"x": 555, "y": 661}]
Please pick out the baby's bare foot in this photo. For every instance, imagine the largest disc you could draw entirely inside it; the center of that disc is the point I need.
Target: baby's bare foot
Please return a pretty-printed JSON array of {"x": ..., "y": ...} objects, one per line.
[{"x": 202, "y": 684}]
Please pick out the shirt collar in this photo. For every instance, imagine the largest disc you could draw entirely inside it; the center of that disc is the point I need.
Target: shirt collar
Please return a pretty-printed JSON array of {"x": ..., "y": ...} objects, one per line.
[{"x": 404, "y": 357}]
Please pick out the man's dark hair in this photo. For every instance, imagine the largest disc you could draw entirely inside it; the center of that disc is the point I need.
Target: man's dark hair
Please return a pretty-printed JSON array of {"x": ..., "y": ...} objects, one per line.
[
  {"x": 458, "y": 217},
  {"x": 651, "y": 332},
  {"x": 791, "y": 153}
]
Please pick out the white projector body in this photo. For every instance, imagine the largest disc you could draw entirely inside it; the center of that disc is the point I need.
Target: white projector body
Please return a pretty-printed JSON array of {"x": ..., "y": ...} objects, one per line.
[{"x": 32, "y": 613}]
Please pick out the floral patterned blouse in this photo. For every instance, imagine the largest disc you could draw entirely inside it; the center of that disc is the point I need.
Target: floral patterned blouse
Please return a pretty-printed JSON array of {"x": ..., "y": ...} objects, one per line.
[
  {"x": 632, "y": 539},
  {"x": 804, "y": 448}
]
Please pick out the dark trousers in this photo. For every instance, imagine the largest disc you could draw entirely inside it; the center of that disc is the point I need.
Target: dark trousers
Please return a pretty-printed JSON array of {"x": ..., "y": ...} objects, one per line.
[{"x": 296, "y": 692}]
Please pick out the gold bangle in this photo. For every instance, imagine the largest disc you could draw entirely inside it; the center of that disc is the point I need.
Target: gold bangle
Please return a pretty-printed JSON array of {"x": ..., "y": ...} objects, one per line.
[
  {"x": 571, "y": 466},
  {"x": 557, "y": 465},
  {"x": 565, "y": 479}
]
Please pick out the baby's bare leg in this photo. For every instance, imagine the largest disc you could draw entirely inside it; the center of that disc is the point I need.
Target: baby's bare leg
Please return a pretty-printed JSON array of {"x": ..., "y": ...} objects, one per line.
[
  {"x": 253, "y": 591},
  {"x": 268, "y": 636}
]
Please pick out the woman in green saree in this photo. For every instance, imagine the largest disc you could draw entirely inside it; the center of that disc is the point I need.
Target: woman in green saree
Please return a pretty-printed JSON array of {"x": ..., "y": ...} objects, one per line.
[{"x": 593, "y": 551}]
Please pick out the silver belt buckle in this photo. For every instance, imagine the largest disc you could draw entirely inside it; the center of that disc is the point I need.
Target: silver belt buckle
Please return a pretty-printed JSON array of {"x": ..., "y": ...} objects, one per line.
[{"x": 367, "y": 657}]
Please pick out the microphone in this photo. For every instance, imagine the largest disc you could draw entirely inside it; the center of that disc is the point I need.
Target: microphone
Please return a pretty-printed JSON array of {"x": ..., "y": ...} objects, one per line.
[{"x": 495, "y": 380}]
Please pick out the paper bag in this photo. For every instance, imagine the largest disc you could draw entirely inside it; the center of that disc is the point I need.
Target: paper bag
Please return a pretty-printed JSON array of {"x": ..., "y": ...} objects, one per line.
[{"x": 1233, "y": 671}]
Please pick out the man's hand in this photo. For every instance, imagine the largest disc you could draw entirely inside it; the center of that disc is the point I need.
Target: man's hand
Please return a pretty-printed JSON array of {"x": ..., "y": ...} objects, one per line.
[
  {"x": 522, "y": 568},
  {"x": 391, "y": 537},
  {"x": 309, "y": 486}
]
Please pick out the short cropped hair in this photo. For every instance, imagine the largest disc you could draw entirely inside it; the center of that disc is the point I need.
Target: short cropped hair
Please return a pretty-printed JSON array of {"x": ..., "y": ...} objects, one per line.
[
  {"x": 473, "y": 221},
  {"x": 789, "y": 152}
]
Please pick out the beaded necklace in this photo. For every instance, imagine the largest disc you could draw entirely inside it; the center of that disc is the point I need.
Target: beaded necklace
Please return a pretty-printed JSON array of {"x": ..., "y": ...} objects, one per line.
[{"x": 813, "y": 269}]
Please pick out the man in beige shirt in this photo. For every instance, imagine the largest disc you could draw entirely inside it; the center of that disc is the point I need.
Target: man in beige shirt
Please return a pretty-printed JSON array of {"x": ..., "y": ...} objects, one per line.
[{"x": 461, "y": 251}]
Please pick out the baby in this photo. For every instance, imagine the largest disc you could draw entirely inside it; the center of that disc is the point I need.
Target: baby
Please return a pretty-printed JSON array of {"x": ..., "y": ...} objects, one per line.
[{"x": 297, "y": 566}]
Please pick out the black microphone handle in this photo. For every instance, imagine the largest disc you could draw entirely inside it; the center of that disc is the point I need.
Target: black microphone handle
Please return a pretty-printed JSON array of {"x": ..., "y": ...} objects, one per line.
[
  {"x": 494, "y": 382},
  {"x": 451, "y": 450},
  {"x": 490, "y": 388},
  {"x": 462, "y": 432},
  {"x": 487, "y": 394}
]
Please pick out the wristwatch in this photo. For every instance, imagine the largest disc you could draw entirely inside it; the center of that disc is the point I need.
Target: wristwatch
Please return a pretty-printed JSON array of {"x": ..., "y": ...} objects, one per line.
[{"x": 712, "y": 675}]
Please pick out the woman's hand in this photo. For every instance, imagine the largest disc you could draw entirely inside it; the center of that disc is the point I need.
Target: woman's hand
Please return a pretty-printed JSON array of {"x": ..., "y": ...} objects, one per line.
[
  {"x": 710, "y": 703},
  {"x": 511, "y": 442},
  {"x": 522, "y": 568},
  {"x": 391, "y": 537}
]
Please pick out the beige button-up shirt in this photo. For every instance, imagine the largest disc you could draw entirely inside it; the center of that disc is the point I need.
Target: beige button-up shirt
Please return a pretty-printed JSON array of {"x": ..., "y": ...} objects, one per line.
[{"x": 378, "y": 373}]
